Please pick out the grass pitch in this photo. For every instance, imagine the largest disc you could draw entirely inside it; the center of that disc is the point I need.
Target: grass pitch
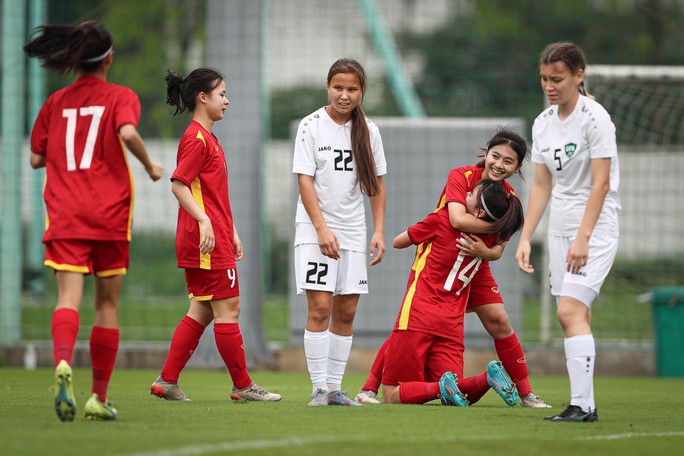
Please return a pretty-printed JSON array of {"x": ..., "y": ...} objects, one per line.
[{"x": 637, "y": 416}]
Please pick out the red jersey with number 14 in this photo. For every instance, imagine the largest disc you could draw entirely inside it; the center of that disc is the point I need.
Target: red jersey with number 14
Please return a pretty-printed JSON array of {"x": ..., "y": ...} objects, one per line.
[
  {"x": 438, "y": 285},
  {"x": 89, "y": 188}
]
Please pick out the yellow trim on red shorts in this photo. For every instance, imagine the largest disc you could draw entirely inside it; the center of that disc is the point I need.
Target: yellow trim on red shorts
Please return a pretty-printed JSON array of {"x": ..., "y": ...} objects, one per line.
[
  {"x": 67, "y": 267},
  {"x": 111, "y": 272},
  {"x": 201, "y": 298}
]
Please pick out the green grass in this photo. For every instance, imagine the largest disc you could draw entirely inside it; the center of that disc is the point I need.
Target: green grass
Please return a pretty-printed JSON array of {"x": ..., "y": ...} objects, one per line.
[
  {"x": 637, "y": 416},
  {"x": 154, "y": 299},
  {"x": 618, "y": 313}
]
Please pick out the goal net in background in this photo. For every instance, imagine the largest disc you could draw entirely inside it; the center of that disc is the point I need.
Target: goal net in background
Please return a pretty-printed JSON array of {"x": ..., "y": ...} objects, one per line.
[{"x": 646, "y": 103}]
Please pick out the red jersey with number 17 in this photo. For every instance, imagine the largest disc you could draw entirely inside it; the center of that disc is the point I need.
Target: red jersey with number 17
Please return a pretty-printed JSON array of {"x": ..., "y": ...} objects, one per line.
[
  {"x": 89, "y": 188},
  {"x": 439, "y": 282},
  {"x": 201, "y": 165}
]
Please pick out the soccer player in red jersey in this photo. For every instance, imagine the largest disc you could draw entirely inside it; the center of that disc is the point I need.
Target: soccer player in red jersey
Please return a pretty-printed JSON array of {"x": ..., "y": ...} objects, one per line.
[
  {"x": 424, "y": 356},
  {"x": 503, "y": 157},
  {"x": 207, "y": 243},
  {"x": 79, "y": 137}
]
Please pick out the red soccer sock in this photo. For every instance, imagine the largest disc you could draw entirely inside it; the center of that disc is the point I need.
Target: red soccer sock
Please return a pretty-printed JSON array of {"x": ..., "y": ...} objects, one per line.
[
  {"x": 104, "y": 344},
  {"x": 185, "y": 339},
  {"x": 511, "y": 354},
  {"x": 474, "y": 387},
  {"x": 375, "y": 375},
  {"x": 418, "y": 392},
  {"x": 231, "y": 348},
  {"x": 65, "y": 323}
]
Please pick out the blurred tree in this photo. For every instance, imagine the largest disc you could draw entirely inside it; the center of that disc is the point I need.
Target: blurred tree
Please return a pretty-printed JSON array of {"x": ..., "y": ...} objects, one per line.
[
  {"x": 484, "y": 63},
  {"x": 289, "y": 105},
  {"x": 149, "y": 37},
  {"x": 165, "y": 34}
]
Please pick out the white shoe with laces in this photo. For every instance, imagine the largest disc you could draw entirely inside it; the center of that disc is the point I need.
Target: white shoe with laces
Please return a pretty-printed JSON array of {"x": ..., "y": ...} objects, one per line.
[
  {"x": 340, "y": 398},
  {"x": 254, "y": 393},
  {"x": 533, "y": 401},
  {"x": 167, "y": 390},
  {"x": 367, "y": 397},
  {"x": 319, "y": 398}
]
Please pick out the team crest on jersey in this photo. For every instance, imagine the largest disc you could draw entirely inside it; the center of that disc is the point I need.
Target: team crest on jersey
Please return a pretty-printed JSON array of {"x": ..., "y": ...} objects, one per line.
[{"x": 570, "y": 149}]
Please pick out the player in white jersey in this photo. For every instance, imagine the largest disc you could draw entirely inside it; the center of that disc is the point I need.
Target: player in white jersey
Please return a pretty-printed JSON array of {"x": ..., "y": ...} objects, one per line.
[
  {"x": 575, "y": 152},
  {"x": 338, "y": 158}
]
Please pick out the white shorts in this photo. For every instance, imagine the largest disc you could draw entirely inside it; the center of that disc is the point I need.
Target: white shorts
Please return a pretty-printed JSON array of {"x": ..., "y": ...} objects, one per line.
[
  {"x": 315, "y": 271},
  {"x": 602, "y": 251}
]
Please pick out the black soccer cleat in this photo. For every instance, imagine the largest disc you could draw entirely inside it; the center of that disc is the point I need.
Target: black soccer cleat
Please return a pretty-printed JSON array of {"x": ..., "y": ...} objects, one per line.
[{"x": 574, "y": 414}]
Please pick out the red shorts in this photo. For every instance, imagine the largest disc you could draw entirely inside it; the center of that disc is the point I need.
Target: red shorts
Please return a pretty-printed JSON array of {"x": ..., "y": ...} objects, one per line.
[
  {"x": 414, "y": 356},
  {"x": 483, "y": 289},
  {"x": 102, "y": 258},
  {"x": 212, "y": 285}
]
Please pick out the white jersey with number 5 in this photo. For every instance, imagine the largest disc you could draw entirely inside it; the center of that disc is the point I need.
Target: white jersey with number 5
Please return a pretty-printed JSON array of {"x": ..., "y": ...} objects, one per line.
[
  {"x": 567, "y": 147},
  {"x": 323, "y": 150}
]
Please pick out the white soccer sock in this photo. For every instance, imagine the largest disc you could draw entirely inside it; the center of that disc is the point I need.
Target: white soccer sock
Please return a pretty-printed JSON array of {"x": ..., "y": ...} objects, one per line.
[
  {"x": 580, "y": 353},
  {"x": 340, "y": 347},
  {"x": 316, "y": 348}
]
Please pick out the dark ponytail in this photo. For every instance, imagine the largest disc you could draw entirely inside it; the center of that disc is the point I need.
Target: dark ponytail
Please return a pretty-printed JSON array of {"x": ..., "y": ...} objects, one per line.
[
  {"x": 502, "y": 209},
  {"x": 64, "y": 48},
  {"x": 182, "y": 92}
]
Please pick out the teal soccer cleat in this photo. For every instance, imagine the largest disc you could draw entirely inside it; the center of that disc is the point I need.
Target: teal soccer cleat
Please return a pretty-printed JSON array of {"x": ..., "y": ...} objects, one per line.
[
  {"x": 449, "y": 393},
  {"x": 498, "y": 379}
]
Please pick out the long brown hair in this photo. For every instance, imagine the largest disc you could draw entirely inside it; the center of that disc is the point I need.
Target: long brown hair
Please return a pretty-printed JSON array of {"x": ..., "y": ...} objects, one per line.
[{"x": 360, "y": 136}]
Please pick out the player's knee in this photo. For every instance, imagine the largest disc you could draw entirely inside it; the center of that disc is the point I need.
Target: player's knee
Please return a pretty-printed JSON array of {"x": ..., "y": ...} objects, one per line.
[
  {"x": 319, "y": 314},
  {"x": 498, "y": 325},
  {"x": 390, "y": 394},
  {"x": 345, "y": 317}
]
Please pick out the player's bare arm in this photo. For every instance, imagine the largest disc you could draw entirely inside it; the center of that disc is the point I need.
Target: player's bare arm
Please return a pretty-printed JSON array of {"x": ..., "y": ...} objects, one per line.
[
  {"x": 187, "y": 202},
  {"x": 134, "y": 143}
]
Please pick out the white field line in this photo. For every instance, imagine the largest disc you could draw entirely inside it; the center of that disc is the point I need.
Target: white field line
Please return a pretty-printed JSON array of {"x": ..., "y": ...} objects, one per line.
[
  {"x": 225, "y": 447},
  {"x": 632, "y": 435}
]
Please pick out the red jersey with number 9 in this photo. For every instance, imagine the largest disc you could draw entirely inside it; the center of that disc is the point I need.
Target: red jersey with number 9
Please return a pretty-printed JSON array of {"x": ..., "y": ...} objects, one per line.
[
  {"x": 201, "y": 165},
  {"x": 88, "y": 188}
]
